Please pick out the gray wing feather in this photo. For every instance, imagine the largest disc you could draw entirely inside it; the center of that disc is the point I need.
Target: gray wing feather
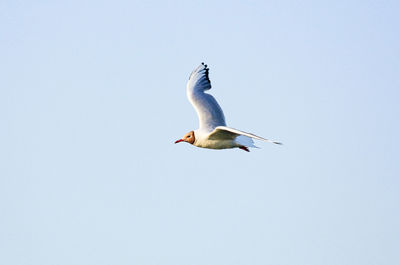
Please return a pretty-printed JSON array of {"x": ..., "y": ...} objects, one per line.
[
  {"x": 208, "y": 110},
  {"x": 223, "y": 132}
]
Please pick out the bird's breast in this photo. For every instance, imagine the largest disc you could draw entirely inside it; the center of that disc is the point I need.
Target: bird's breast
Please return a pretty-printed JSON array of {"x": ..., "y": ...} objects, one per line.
[{"x": 215, "y": 144}]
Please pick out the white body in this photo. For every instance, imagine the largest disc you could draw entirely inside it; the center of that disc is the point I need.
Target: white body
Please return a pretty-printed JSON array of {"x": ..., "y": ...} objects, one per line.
[{"x": 203, "y": 140}]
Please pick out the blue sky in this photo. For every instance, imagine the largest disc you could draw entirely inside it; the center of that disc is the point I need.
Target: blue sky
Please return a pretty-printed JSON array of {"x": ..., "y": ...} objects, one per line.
[{"x": 92, "y": 97}]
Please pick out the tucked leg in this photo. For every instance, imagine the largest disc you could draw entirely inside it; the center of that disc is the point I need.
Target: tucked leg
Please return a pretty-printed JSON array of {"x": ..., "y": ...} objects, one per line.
[{"x": 244, "y": 148}]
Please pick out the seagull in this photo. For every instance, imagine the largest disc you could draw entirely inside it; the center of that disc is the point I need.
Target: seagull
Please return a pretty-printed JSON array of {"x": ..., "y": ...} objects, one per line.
[{"x": 213, "y": 132}]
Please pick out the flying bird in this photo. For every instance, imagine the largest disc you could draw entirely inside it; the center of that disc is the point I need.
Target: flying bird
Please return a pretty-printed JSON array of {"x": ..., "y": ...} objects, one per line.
[{"x": 213, "y": 132}]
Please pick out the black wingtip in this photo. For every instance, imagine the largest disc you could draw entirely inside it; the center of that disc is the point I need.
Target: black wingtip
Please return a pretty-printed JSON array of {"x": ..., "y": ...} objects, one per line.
[{"x": 207, "y": 73}]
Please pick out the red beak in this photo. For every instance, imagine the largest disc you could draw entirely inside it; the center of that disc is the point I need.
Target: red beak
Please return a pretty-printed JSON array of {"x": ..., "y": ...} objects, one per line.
[{"x": 180, "y": 140}]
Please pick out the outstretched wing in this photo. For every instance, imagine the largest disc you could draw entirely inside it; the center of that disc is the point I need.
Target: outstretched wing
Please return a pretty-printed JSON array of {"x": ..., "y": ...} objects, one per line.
[
  {"x": 209, "y": 112},
  {"x": 223, "y": 132}
]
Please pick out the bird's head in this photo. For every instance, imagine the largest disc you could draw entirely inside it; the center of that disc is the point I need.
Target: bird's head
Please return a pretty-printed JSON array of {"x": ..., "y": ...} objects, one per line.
[{"x": 189, "y": 137}]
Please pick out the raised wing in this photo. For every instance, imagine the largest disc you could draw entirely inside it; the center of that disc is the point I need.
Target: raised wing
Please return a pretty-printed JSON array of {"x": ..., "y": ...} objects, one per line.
[
  {"x": 209, "y": 112},
  {"x": 223, "y": 132}
]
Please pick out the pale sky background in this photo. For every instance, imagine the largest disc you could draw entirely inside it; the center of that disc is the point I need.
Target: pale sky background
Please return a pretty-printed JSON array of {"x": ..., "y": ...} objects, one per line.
[{"x": 92, "y": 97}]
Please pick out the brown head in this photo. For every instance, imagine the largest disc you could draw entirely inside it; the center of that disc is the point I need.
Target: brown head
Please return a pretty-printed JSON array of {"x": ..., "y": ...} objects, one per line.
[{"x": 189, "y": 137}]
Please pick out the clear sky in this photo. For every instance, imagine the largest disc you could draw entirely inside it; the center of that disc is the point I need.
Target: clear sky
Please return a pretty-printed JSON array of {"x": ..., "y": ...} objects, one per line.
[{"x": 92, "y": 97}]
